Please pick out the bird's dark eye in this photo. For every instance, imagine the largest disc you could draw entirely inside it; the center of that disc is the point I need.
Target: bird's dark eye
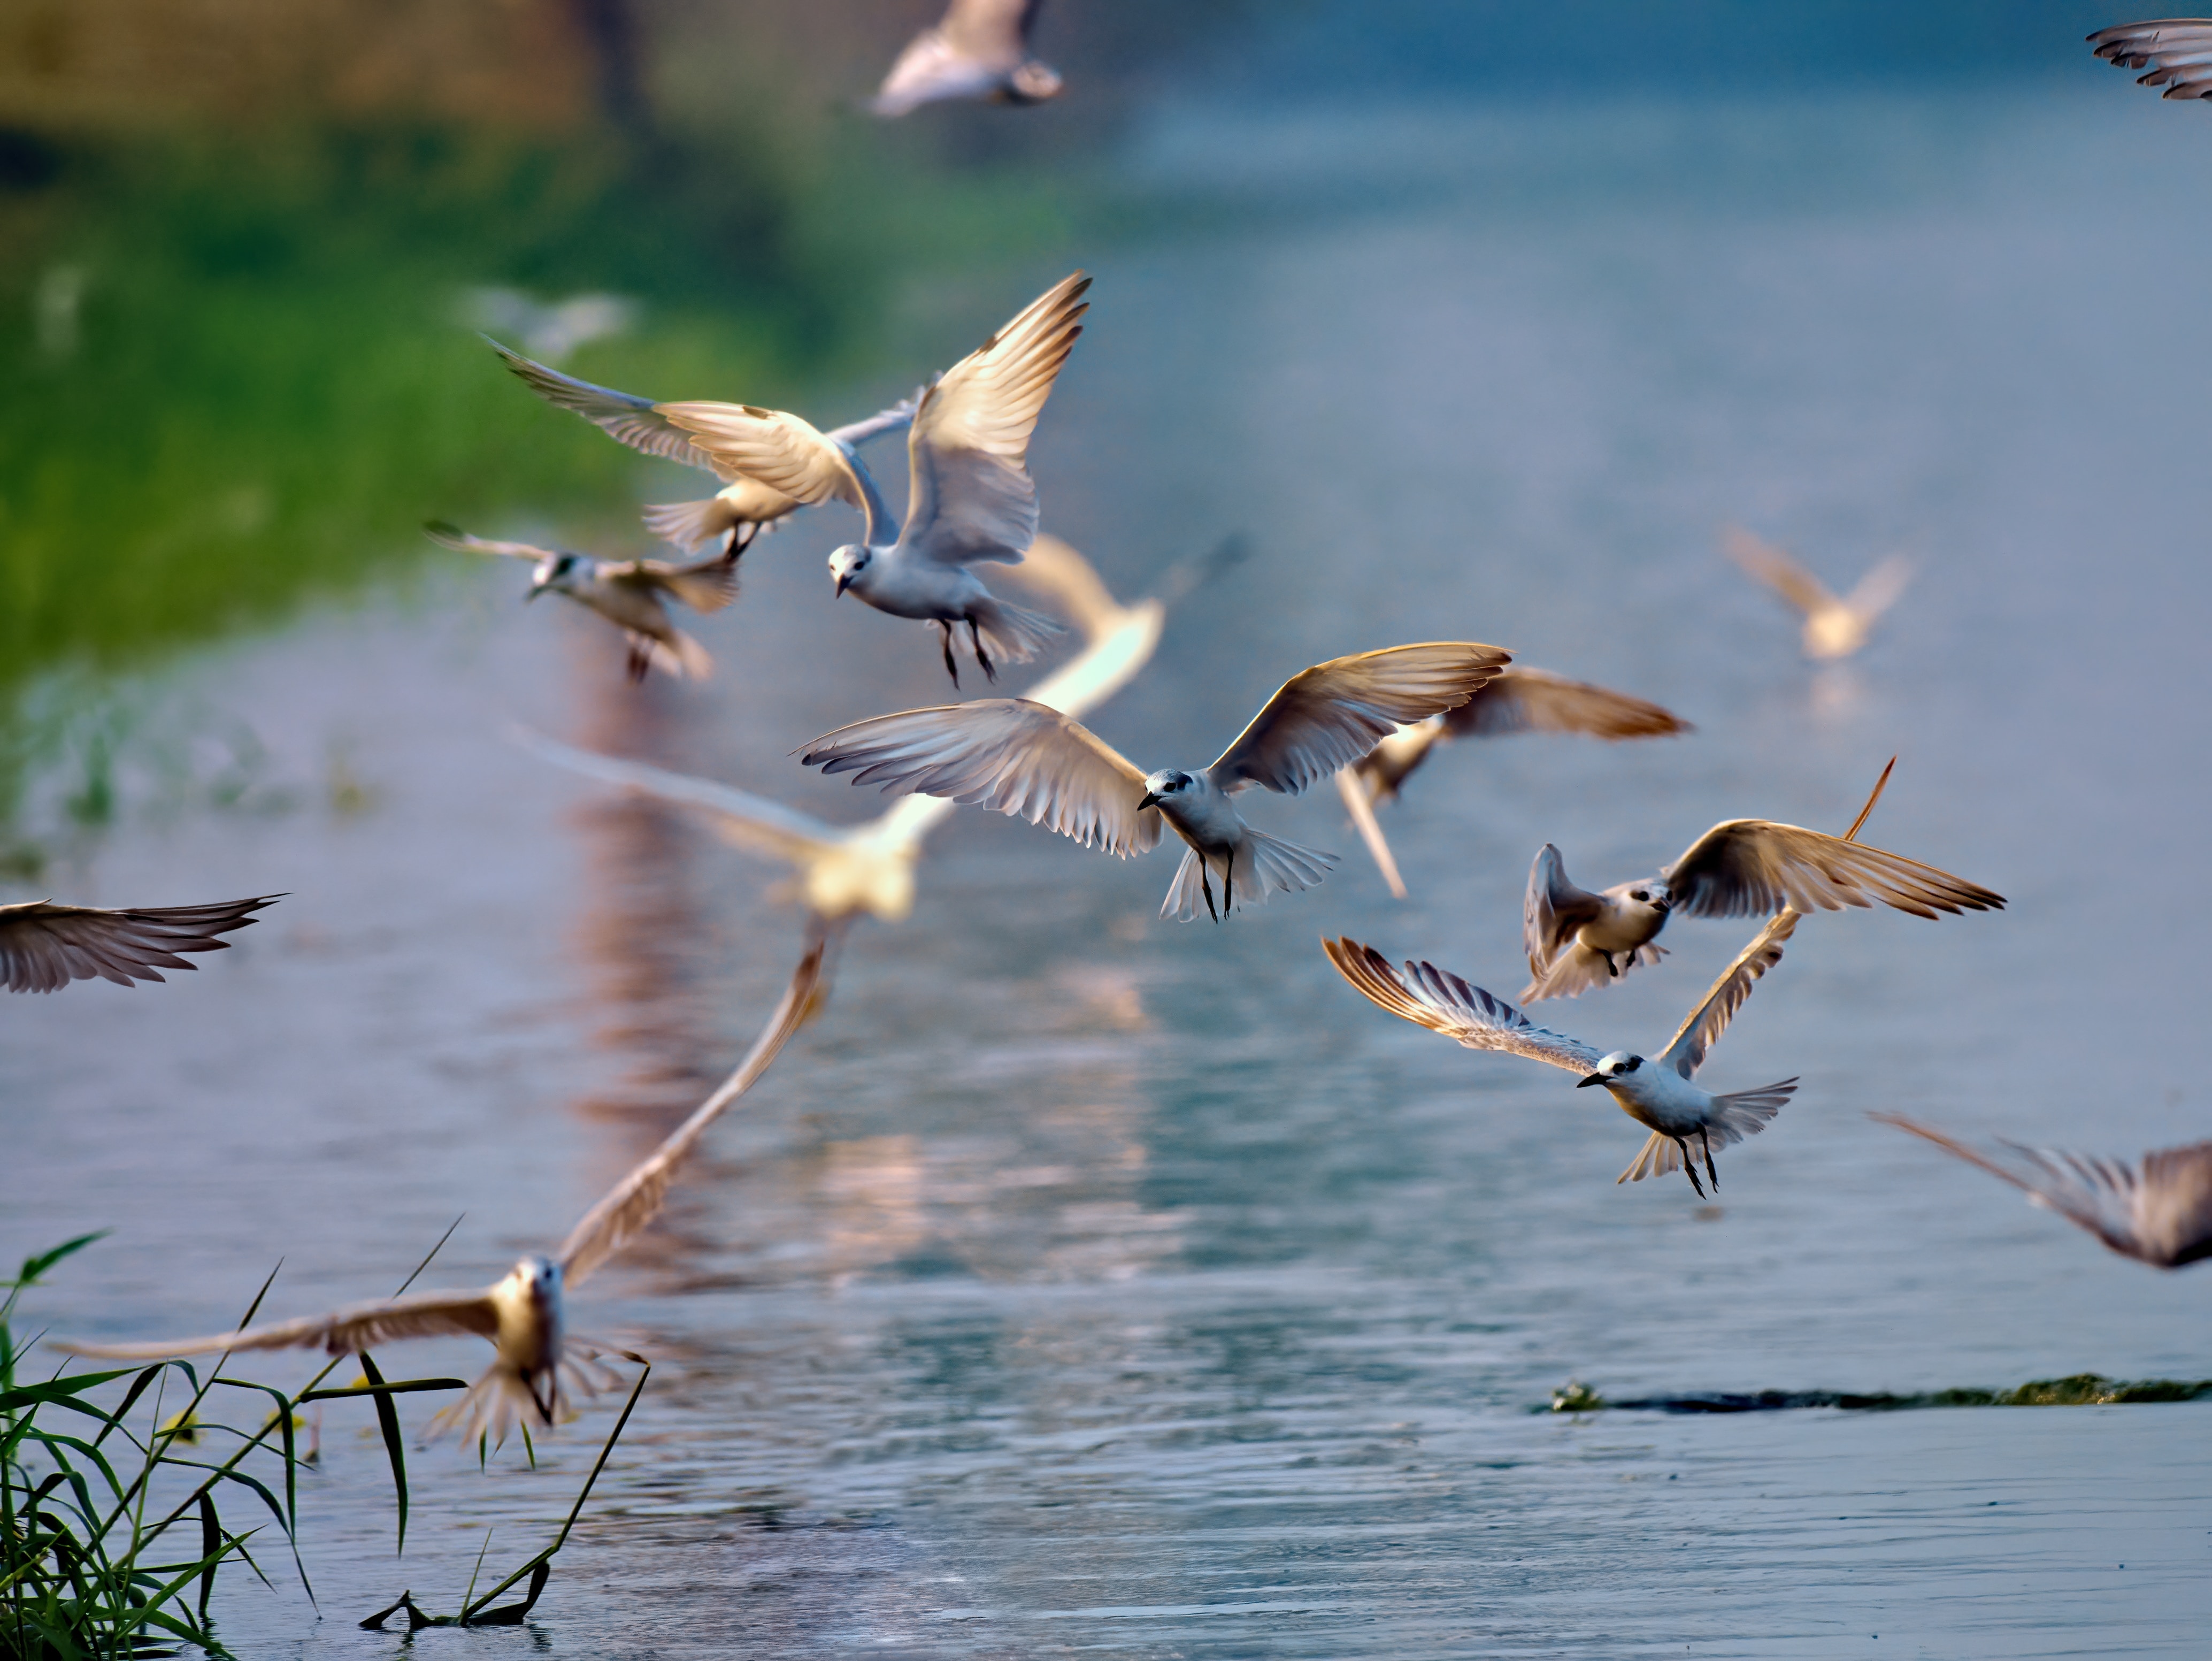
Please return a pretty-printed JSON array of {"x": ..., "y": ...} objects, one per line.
[
  {"x": 1638, "y": 894},
  {"x": 1634, "y": 1062}
]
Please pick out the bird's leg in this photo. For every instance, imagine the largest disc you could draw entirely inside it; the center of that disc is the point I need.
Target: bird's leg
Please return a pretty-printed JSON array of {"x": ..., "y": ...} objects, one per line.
[
  {"x": 945, "y": 631},
  {"x": 545, "y": 1403},
  {"x": 1228, "y": 881},
  {"x": 1206, "y": 887},
  {"x": 1690, "y": 1167},
  {"x": 641, "y": 659},
  {"x": 975, "y": 639},
  {"x": 741, "y": 537},
  {"x": 1705, "y": 1136}
]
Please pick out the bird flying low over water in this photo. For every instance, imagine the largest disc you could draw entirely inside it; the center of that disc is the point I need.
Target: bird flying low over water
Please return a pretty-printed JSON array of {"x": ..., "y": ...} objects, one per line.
[
  {"x": 43, "y": 946},
  {"x": 1519, "y": 700},
  {"x": 2160, "y": 1212},
  {"x": 626, "y": 593},
  {"x": 969, "y": 498},
  {"x": 1833, "y": 628},
  {"x": 2177, "y": 50},
  {"x": 1034, "y": 763},
  {"x": 737, "y": 514},
  {"x": 979, "y": 49},
  {"x": 538, "y": 1364},
  {"x": 1656, "y": 1092},
  {"x": 1577, "y": 939}
]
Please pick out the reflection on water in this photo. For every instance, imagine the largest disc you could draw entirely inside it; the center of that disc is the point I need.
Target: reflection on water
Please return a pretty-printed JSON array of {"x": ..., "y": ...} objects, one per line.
[{"x": 1081, "y": 1282}]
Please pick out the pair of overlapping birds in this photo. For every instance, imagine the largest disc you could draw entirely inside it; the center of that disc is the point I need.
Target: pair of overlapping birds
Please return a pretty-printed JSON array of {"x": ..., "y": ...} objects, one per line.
[{"x": 1367, "y": 721}]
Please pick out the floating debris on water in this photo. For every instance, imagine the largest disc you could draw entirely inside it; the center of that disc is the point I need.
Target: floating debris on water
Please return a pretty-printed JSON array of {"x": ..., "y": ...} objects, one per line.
[{"x": 2076, "y": 1390}]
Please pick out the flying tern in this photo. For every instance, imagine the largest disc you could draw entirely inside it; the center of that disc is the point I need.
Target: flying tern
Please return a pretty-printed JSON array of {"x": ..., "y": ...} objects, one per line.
[
  {"x": 2177, "y": 50},
  {"x": 1519, "y": 700},
  {"x": 979, "y": 49},
  {"x": 1577, "y": 939},
  {"x": 628, "y": 592},
  {"x": 43, "y": 946},
  {"x": 969, "y": 498},
  {"x": 2160, "y": 1211},
  {"x": 1833, "y": 628},
  {"x": 842, "y": 871},
  {"x": 733, "y": 516},
  {"x": 1023, "y": 759},
  {"x": 555, "y": 329},
  {"x": 1656, "y": 1092},
  {"x": 538, "y": 1364}
]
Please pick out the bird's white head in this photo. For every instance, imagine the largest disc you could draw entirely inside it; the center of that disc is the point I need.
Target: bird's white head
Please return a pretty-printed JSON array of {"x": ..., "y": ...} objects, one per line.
[
  {"x": 1648, "y": 897},
  {"x": 1167, "y": 785},
  {"x": 540, "y": 1278},
  {"x": 848, "y": 565},
  {"x": 557, "y": 572},
  {"x": 1611, "y": 1069}
]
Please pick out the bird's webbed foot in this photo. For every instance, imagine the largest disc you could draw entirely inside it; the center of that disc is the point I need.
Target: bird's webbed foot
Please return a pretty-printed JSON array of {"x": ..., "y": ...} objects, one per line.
[
  {"x": 975, "y": 639},
  {"x": 945, "y": 639},
  {"x": 1690, "y": 1168}
]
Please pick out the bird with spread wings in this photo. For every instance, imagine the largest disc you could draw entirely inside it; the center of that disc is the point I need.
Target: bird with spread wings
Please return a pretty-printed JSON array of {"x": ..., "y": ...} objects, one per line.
[
  {"x": 538, "y": 1365},
  {"x": 980, "y": 49},
  {"x": 1834, "y": 627}
]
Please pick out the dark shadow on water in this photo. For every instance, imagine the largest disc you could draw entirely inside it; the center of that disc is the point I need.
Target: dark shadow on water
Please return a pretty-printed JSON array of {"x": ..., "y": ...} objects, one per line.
[{"x": 2077, "y": 1389}]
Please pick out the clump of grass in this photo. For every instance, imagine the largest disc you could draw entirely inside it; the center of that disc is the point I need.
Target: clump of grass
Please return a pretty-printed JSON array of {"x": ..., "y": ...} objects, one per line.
[{"x": 116, "y": 1517}]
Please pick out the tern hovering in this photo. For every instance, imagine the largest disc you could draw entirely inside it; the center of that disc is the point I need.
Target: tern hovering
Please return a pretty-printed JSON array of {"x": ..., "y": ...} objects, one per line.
[
  {"x": 626, "y": 593},
  {"x": 1657, "y": 1093},
  {"x": 539, "y": 1362},
  {"x": 1577, "y": 939},
  {"x": 1833, "y": 628},
  {"x": 2160, "y": 1212},
  {"x": 979, "y": 49},
  {"x": 1520, "y": 700},
  {"x": 45, "y": 946},
  {"x": 969, "y": 498},
  {"x": 2177, "y": 50},
  {"x": 740, "y": 511},
  {"x": 1024, "y": 759}
]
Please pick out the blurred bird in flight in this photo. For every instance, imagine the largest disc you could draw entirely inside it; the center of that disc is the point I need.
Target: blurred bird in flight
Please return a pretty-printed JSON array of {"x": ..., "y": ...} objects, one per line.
[
  {"x": 538, "y": 1366},
  {"x": 1577, "y": 939},
  {"x": 626, "y": 593},
  {"x": 1519, "y": 700},
  {"x": 734, "y": 515},
  {"x": 979, "y": 49},
  {"x": 2160, "y": 1212},
  {"x": 1021, "y": 758},
  {"x": 1833, "y": 628},
  {"x": 2177, "y": 50},
  {"x": 553, "y": 330},
  {"x": 842, "y": 871},
  {"x": 43, "y": 946},
  {"x": 1656, "y": 1092},
  {"x": 969, "y": 498}
]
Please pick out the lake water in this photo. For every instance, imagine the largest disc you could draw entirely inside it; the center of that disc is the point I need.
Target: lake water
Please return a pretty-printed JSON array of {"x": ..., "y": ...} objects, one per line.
[{"x": 1084, "y": 1282}]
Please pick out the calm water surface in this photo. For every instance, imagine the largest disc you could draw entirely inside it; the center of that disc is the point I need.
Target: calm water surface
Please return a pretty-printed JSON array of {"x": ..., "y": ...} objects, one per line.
[{"x": 1082, "y": 1282}]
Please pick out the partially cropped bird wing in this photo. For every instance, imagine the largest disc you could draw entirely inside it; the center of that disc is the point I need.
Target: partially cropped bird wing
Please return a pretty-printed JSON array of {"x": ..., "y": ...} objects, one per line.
[
  {"x": 2099, "y": 1195},
  {"x": 1440, "y": 1000},
  {"x": 1057, "y": 573},
  {"x": 2177, "y": 52},
  {"x": 2174, "y": 1204},
  {"x": 768, "y": 826},
  {"x": 1552, "y": 910},
  {"x": 452, "y": 535},
  {"x": 356, "y": 1327},
  {"x": 1330, "y": 715},
  {"x": 624, "y": 416},
  {"x": 966, "y": 55},
  {"x": 704, "y": 585},
  {"x": 971, "y": 496},
  {"x": 1519, "y": 699},
  {"x": 993, "y": 29},
  {"x": 1702, "y": 1027},
  {"x": 636, "y": 1200},
  {"x": 1359, "y": 802},
  {"x": 1768, "y": 563},
  {"x": 1877, "y": 590},
  {"x": 783, "y": 451},
  {"x": 1742, "y": 868},
  {"x": 43, "y": 946},
  {"x": 1018, "y": 758}
]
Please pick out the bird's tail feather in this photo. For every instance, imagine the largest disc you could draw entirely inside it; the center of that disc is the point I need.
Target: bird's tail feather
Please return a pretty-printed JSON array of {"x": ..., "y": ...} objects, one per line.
[
  {"x": 1016, "y": 634},
  {"x": 1579, "y": 968},
  {"x": 679, "y": 655},
  {"x": 692, "y": 525},
  {"x": 1264, "y": 865},
  {"x": 1660, "y": 1157},
  {"x": 1747, "y": 1112},
  {"x": 502, "y": 1398}
]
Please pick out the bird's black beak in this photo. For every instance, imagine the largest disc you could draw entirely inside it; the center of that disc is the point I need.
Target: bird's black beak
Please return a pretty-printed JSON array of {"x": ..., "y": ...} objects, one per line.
[
  {"x": 844, "y": 581},
  {"x": 1149, "y": 800},
  {"x": 1587, "y": 1080}
]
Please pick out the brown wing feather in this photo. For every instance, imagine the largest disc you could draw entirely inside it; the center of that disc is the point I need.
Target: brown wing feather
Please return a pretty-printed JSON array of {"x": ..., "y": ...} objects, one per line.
[
  {"x": 1742, "y": 868},
  {"x": 356, "y": 1327},
  {"x": 43, "y": 946},
  {"x": 1519, "y": 699},
  {"x": 1702, "y": 1028}
]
